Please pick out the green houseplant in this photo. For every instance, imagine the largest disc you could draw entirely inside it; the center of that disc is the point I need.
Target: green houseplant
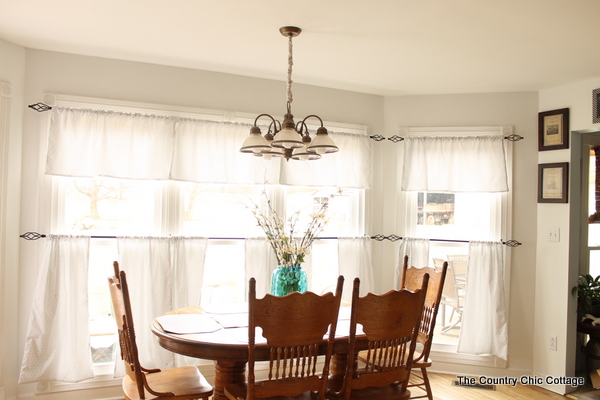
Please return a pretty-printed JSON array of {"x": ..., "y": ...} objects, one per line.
[{"x": 588, "y": 295}]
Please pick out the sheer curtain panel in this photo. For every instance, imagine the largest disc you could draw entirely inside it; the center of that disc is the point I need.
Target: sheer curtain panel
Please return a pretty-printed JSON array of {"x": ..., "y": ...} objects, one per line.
[
  {"x": 88, "y": 143},
  {"x": 348, "y": 168},
  {"x": 484, "y": 329},
  {"x": 209, "y": 152},
  {"x": 57, "y": 345},
  {"x": 188, "y": 256},
  {"x": 454, "y": 164},
  {"x": 147, "y": 263},
  {"x": 164, "y": 273},
  {"x": 417, "y": 251},
  {"x": 260, "y": 262},
  {"x": 354, "y": 259}
]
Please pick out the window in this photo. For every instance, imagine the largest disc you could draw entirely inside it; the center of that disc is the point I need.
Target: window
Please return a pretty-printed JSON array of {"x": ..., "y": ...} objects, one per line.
[
  {"x": 105, "y": 207},
  {"x": 150, "y": 195},
  {"x": 452, "y": 218}
]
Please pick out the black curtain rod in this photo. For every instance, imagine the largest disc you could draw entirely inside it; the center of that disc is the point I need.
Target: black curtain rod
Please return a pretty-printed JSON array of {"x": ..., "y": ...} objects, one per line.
[
  {"x": 379, "y": 238},
  {"x": 41, "y": 107},
  {"x": 378, "y": 138}
]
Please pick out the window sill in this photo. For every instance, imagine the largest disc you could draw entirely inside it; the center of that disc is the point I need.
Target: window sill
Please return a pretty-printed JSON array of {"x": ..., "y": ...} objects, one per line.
[
  {"x": 446, "y": 353},
  {"x": 100, "y": 381}
]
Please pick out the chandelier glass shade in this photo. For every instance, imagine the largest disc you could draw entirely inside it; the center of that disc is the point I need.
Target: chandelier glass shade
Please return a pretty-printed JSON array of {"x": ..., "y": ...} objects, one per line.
[{"x": 288, "y": 139}]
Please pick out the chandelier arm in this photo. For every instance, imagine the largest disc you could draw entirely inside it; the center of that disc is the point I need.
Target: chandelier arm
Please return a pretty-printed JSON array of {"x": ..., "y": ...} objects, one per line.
[
  {"x": 276, "y": 125},
  {"x": 311, "y": 116},
  {"x": 272, "y": 119},
  {"x": 302, "y": 128}
]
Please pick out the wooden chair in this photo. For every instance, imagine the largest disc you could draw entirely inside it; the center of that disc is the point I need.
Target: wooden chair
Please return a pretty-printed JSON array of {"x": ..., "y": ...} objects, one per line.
[
  {"x": 411, "y": 280},
  {"x": 183, "y": 383},
  {"x": 390, "y": 323},
  {"x": 294, "y": 326}
]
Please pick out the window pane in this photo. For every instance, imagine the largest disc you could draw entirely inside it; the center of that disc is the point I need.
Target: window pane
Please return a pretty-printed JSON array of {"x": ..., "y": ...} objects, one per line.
[
  {"x": 220, "y": 210},
  {"x": 447, "y": 328},
  {"x": 341, "y": 210},
  {"x": 464, "y": 216},
  {"x": 103, "y": 330},
  {"x": 324, "y": 266},
  {"x": 594, "y": 263},
  {"x": 224, "y": 273},
  {"x": 435, "y": 208},
  {"x": 104, "y": 206}
]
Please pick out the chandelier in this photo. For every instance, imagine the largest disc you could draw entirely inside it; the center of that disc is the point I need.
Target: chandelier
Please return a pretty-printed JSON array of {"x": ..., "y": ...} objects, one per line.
[{"x": 287, "y": 139}]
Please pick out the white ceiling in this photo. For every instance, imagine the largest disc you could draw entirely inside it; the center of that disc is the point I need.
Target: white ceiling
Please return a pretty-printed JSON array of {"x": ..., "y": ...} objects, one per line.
[{"x": 384, "y": 47}]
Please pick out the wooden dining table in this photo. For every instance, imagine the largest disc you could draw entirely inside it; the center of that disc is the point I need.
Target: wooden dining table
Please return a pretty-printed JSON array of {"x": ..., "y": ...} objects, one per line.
[{"x": 228, "y": 346}]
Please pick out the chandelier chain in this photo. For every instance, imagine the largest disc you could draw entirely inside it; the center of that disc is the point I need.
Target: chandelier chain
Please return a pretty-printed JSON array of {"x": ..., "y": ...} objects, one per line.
[{"x": 289, "y": 74}]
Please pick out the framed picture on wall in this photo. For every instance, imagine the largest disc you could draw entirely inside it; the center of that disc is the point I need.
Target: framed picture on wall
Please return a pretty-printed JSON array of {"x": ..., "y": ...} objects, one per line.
[
  {"x": 553, "y": 183},
  {"x": 553, "y": 130},
  {"x": 596, "y": 106}
]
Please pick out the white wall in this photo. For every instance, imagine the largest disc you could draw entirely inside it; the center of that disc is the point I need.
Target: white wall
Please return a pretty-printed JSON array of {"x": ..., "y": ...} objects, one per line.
[
  {"x": 518, "y": 110},
  {"x": 12, "y": 72},
  {"x": 557, "y": 263}
]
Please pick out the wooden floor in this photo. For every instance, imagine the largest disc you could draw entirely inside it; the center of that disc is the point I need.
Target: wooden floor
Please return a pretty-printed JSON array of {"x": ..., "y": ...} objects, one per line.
[{"x": 444, "y": 390}]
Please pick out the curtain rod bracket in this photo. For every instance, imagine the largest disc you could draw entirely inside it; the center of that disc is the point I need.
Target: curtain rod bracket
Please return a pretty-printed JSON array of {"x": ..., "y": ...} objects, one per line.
[
  {"x": 392, "y": 237},
  {"x": 32, "y": 236},
  {"x": 40, "y": 107},
  {"x": 514, "y": 137}
]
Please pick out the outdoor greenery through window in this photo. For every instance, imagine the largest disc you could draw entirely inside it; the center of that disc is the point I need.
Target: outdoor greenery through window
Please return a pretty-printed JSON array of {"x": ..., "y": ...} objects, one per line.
[{"x": 118, "y": 207}]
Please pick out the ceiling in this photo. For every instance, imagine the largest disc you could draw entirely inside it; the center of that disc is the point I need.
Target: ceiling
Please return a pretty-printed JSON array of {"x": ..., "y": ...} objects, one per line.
[{"x": 381, "y": 47}]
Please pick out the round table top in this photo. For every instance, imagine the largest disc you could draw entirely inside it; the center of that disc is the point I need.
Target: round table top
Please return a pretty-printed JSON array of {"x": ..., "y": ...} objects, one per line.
[{"x": 230, "y": 343}]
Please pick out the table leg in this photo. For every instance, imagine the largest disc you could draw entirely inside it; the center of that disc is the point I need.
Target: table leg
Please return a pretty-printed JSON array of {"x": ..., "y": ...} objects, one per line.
[
  {"x": 227, "y": 372},
  {"x": 338, "y": 364}
]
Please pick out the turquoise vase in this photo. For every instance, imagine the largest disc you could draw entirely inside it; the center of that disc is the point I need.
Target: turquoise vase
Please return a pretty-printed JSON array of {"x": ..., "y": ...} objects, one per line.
[{"x": 288, "y": 279}]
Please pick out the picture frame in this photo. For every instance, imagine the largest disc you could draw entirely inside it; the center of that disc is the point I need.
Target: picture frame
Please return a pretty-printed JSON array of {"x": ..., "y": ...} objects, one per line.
[
  {"x": 553, "y": 130},
  {"x": 596, "y": 106},
  {"x": 553, "y": 182}
]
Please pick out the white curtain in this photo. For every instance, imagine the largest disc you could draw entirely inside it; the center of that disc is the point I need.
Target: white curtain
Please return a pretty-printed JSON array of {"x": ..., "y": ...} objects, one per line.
[
  {"x": 260, "y": 262},
  {"x": 209, "y": 152},
  {"x": 483, "y": 328},
  {"x": 89, "y": 143},
  {"x": 350, "y": 167},
  {"x": 163, "y": 273},
  {"x": 454, "y": 164},
  {"x": 188, "y": 256},
  {"x": 417, "y": 251},
  {"x": 57, "y": 345},
  {"x": 92, "y": 143},
  {"x": 354, "y": 259}
]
